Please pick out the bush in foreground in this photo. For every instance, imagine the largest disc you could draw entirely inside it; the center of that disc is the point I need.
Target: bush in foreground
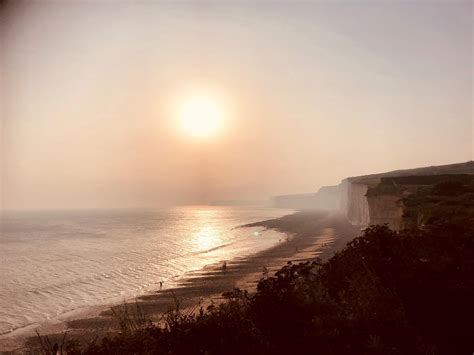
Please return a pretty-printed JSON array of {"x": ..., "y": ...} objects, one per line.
[{"x": 409, "y": 292}]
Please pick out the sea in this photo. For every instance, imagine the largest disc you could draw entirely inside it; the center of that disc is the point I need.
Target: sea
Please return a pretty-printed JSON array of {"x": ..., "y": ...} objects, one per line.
[{"x": 54, "y": 262}]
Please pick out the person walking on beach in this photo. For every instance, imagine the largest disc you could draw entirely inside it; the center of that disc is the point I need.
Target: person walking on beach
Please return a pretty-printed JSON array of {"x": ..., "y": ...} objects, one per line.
[
  {"x": 161, "y": 285},
  {"x": 224, "y": 267}
]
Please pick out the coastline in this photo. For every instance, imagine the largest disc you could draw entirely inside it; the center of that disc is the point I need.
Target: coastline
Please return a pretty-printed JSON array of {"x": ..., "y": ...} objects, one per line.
[{"x": 309, "y": 234}]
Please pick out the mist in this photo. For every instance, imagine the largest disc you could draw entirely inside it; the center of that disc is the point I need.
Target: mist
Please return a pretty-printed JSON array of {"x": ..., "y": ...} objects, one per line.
[{"x": 313, "y": 93}]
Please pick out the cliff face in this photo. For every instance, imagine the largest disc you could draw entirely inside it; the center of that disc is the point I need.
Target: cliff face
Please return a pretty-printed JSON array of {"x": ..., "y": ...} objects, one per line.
[
  {"x": 363, "y": 210},
  {"x": 357, "y": 204},
  {"x": 327, "y": 198},
  {"x": 386, "y": 209},
  {"x": 379, "y": 198}
]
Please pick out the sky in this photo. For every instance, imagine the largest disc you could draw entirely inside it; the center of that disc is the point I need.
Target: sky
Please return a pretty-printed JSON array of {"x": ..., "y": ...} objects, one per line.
[{"x": 312, "y": 92}]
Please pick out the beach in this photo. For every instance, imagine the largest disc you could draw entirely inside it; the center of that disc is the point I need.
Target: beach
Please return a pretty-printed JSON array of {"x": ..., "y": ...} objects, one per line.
[{"x": 307, "y": 235}]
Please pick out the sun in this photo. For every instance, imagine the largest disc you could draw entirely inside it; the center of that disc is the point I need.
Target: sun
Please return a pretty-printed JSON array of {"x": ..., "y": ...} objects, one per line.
[{"x": 201, "y": 116}]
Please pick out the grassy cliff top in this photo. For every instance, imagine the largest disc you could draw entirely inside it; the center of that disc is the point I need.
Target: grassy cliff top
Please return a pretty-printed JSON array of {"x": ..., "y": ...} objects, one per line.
[{"x": 450, "y": 169}]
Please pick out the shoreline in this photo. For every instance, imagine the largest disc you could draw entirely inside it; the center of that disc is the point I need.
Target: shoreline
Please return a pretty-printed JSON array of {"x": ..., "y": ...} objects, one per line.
[
  {"x": 9, "y": 340},
  {"x": 309, "y": 234}
]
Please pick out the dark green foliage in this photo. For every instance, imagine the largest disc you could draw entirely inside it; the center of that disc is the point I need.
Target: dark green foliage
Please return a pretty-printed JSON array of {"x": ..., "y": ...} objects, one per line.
[
  {"x": 463, "y": 179},
  {"x": 408, "y": 287},
  {"x": 450, "y": 188},
  {"x": 448, "y": 201},
  {"x": 409, "y": 292},
  {"x": 223, "y": 329}
]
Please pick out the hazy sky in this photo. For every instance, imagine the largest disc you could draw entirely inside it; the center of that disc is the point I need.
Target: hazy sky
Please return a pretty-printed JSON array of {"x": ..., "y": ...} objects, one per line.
[{"x": 312, "y": 92}]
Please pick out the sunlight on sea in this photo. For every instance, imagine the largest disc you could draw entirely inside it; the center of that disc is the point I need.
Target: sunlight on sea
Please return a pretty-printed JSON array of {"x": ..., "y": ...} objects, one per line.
[{"x": 57, "y": 261}]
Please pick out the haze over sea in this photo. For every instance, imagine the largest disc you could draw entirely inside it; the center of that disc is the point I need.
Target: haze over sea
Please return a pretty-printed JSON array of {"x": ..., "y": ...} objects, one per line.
[{"x": 58, "y": 261}]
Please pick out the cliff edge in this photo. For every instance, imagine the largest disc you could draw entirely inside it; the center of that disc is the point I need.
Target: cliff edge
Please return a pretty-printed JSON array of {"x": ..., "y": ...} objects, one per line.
[{"x": 390, "y": 198}]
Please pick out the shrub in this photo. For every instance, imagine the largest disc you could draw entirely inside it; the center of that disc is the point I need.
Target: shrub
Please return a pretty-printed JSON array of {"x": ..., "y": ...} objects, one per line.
[{"x": 450, "y": 188}]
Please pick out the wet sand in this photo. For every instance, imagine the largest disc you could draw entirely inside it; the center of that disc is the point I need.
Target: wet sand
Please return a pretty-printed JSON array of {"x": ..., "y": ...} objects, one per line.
[{"x": 309, "y": 234}]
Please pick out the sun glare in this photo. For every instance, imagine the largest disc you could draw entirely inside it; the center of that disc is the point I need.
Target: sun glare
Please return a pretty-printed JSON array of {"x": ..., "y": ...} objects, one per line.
[{"x": 201, "y": 116}]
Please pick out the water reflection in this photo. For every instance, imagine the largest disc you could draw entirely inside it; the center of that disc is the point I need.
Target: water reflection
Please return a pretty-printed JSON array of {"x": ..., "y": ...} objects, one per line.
[
  {"x": 206, "y": 238},
  {"x": 207, "y": 233}
]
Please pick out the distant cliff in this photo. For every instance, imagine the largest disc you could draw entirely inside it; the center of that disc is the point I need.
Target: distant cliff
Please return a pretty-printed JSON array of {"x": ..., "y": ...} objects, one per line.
[
  {"x": 296, "y": 201},
  {"x": 327, "y": 198}
]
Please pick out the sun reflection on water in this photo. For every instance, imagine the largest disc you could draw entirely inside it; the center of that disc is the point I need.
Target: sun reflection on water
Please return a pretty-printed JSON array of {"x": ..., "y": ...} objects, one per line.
[
  {"x": 207, "y": 234},
  {"x": 206, "y": 238}
]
